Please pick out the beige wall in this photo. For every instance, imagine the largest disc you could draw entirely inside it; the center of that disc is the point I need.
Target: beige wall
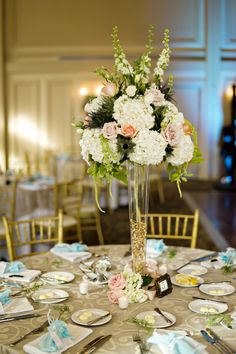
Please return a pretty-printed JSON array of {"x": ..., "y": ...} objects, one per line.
[{"x": 52, "y": 47}]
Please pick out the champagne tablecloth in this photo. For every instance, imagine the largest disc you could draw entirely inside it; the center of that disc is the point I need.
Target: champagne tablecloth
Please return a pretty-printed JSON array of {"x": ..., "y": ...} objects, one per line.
[{"x": 120, "y": 328}]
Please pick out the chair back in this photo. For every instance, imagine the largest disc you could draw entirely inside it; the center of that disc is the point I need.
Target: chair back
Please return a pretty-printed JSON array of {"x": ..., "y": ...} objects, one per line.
[
  {"x": 173, "y": 226},
  {"x": 32, "y": 232}
]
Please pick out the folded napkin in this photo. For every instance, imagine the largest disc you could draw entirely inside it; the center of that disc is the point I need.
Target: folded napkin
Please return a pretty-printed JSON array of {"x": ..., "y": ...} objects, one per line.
[
  {"x": 72, "y": 253},
  {"x": 5, "y": 296},
  {"x": 224, "y": 258},
  {"x": 13, "y": 267},
  {"x": 155, "y": 247},
  {"x": 65, "y": 247},
  {"x": 77, "y": 334},
  {"x": 174, "y": 343},
  {"x": 24, "y": 277},
  {"x": 229, "y": 256},
  {"x": 17, "y": 305}
]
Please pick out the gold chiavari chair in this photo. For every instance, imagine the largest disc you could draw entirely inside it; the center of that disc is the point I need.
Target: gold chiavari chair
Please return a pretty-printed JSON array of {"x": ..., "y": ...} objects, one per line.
[
  {"x": 7, "y": 207},
  {"x": 32, "y": 232},
  {"x": 78, "y": 203},
  {"x": 173, "y": 226}
]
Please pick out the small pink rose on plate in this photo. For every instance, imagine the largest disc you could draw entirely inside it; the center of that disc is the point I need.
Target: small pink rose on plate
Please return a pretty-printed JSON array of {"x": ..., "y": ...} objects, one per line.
[
  {"x": 114, "y": 295},
  {"x": 116, "y": 282}
]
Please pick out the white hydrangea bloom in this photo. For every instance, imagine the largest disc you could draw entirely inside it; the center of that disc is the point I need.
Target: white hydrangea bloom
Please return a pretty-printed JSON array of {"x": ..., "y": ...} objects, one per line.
[
  {"x": 135, "y": 295},
  {"x": 91, "y": 145},
  {"x": 172, "y": 116},
  {"x": 149, "y": 148},
  {"x": 183, "y": 152},
  {"x": 133, "y": 111},
  {"x": 94, "y": 104},
  {"x": 131, "y": 90}
]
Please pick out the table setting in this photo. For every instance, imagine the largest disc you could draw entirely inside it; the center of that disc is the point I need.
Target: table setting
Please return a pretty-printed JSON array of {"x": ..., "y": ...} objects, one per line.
[{"x": 112, "y": 314}]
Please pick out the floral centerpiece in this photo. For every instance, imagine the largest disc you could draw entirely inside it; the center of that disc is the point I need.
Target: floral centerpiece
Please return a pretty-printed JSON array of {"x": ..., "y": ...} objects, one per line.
[
  {"x": 126, "y": 283},
  {"x": 135, "y": 120}
]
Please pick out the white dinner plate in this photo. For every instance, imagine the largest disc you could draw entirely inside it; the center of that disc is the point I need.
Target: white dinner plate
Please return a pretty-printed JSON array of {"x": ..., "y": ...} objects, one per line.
[
  {"x": 53, "y": 293},
  {"x": 58, "y": 275},
  {"x": 193, "y": 269},
  {"x": 160, "y": 321},
  {"x": 82, "y": 317},
  {"x": 207, "y": 307},
  {"x": 199, "y": 281},
  {"x": 214, "y": 289}
]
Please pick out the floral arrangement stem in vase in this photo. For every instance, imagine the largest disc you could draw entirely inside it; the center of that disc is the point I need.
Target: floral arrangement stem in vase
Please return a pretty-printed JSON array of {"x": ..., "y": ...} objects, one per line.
[{"x": 138, "y": 187}]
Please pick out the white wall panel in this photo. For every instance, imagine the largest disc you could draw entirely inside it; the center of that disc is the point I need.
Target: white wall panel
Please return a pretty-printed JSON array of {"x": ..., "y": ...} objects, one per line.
[
  {"x": 228, "y": 25},
  {"x": 24, "y": 119}
]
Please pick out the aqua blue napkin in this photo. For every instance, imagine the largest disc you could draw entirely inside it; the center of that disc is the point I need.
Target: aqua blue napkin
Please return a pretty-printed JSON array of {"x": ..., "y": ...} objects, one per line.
[
  {"x": 14, "y": 267},
  {"x": 48, "y": 344},
  {"x": 74, "y": 247},
  {"x": 156, "y": 246},
  {"x": 229, "y": 256},
  {"x": 173, "y": 343},
  {"x": 5, "y": 296}
]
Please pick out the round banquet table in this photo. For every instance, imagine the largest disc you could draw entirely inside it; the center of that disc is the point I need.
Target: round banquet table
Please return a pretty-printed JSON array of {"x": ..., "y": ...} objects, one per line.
[{"x": 121, "y": 329}]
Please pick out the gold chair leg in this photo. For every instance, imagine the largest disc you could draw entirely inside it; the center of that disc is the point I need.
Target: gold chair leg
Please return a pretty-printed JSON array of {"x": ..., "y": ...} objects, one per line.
[
  {"x": 99, "y": 230},
  {"x": 79, "y": 231}
]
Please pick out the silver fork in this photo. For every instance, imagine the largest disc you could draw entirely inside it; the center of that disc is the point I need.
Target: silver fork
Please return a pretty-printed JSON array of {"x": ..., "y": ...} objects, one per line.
[
  {"x": 138, "y": 340},
  {"x": 163, "y": 315},
  {"x": 34, "y": 331}
]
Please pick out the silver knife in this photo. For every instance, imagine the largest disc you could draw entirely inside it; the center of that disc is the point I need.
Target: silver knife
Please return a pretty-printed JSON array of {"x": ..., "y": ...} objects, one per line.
[
  {"x": 199, "y": 259},
  {"x": 212, "y": 341},
  {"x": 97, "y": 319},
  {"x": 13, "y": 318},
  {"x": 94, "y": 346},
  {"x": 219, "y": 340}
]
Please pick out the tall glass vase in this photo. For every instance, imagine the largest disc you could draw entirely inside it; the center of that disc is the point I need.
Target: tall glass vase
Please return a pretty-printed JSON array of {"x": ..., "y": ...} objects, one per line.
[{"x": 138, "y": 188}]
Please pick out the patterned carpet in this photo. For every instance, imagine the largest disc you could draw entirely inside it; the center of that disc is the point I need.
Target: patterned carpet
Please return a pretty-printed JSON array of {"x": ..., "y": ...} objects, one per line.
[{"x": 115, "y": 225}]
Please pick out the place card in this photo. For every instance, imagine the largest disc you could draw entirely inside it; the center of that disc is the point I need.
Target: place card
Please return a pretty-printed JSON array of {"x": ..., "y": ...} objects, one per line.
[{"x": 163, "y": 285}]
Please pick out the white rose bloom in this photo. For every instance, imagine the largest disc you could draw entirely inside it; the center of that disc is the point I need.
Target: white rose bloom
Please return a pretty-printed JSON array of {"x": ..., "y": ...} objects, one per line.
[
  {"x": 91, "y": 145},
  {"x": 133, "y": 111},
  {"x": 94, "y": 104},
  {"x": 131, "y": 90},
  {"x": 183, "y": 152},
  {"x": 149, "y": 148}
]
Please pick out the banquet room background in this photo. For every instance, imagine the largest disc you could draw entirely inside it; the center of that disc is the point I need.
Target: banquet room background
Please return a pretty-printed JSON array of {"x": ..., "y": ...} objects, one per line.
[{"x": 49, "y": 49}]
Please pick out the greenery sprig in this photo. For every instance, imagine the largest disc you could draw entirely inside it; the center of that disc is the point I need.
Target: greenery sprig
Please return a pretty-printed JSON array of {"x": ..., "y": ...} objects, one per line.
[
  {"x": 142, "y": 323},
  {"x": 212, "y": 320}
]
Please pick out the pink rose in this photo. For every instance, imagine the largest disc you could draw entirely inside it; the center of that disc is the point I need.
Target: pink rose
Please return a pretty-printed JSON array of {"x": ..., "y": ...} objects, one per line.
[
  {"x": 116, "y": 282},
  {"x": 187, "y": 129},
  {"x": 109, "y": 90},
  {"x": 110, "y": 130},
  {"x": 155, "y": 95},
  {"x": 128, "y": 131},
  {"x": 152, "y": 269},
  {"x": 172, "y": 134},
  {"x": 114, "y": 295},
  {"x": 87, "y": 120}
]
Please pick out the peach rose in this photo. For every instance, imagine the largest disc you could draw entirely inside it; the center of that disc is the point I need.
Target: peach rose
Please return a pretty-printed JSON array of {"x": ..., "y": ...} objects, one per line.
[
  {"x": 116, "y": 282},
  {"x": 114, "y": 295},
  {"x": 187, "y": 129},
  {"x": 110, "y": 130},
  {"x": 128, "y": 131},
  {"x": 109, "y": 90}
]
